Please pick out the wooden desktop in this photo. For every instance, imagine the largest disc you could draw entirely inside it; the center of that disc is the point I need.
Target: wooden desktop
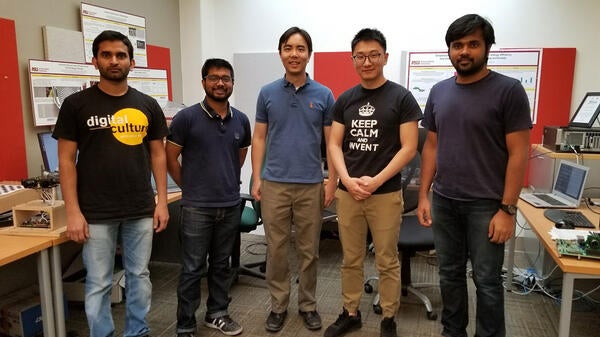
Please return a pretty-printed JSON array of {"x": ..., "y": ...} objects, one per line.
[{"x": 572, "y": 267}]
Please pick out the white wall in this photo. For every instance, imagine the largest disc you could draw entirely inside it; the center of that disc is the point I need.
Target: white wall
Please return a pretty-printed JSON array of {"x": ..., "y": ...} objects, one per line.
[
  {"x": 237, "y": 26},
  {"x": 225, "y": 27}
]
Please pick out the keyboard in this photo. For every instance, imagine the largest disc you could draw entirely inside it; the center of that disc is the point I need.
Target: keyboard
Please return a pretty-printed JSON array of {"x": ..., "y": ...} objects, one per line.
[
  {"x": 576, "y": 217},
  {"x": 549, "y": 199}
]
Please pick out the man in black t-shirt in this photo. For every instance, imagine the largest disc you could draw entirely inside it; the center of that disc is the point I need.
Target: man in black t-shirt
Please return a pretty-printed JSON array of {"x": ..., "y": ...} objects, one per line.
[
  {"x": 373, "y": 136},
  {"x": 115, "y": 133}
]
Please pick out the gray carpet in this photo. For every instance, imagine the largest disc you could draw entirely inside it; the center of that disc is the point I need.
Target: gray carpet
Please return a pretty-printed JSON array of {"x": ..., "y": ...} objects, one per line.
[{"x": 533, "y": 315}]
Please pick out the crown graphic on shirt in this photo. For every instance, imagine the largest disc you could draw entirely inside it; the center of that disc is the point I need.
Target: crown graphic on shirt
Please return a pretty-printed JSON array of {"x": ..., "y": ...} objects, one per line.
[{"x": 366, "y": 110}]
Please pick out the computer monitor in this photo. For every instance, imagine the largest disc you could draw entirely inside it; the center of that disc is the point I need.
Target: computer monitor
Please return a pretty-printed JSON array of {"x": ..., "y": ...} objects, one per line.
[
  {"x": 587, "y": 113},
  {"x": 49, "y": 148}
]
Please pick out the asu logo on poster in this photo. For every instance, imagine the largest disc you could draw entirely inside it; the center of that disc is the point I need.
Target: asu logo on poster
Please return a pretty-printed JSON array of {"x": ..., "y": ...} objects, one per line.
[{"x": 129, "y": 126}]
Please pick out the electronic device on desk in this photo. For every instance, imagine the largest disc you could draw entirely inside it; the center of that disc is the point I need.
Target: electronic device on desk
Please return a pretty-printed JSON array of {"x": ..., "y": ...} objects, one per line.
[
  {"x": 582, "y": 247},
  {"x": 583, "y": 132},
  {"x": 576, "y": 218},
  {"x": 49, "y": 149},
  {"x": 567, "y": 188}
]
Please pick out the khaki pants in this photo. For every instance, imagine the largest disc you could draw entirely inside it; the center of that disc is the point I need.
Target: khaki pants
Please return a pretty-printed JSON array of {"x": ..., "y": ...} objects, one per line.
[
  {"x": 381, "y": 214},
  {"x": 284, "y": 205}
]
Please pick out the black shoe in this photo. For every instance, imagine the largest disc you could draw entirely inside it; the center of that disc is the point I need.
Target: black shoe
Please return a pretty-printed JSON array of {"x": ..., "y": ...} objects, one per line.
[
  {"x": 275, "y": 321},
  {"x": 185, "y": 334},
  {"x": 388, "y": 327},
  {"x": 312, "y": 320},
  {"x": 344, "y": 324}
]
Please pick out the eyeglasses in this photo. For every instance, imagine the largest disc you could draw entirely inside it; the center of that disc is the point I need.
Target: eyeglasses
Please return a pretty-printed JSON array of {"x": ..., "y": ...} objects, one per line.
[
  {"x": 215, "y": 79},
  {"x": 373, "y": 58}
]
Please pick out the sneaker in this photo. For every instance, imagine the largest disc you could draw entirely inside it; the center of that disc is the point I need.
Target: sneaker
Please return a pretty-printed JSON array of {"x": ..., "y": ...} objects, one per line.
[
  {"x": 344, "y": 324},
  {"x": 275, "y": 321},
  {"x": 388, "y": 327},
  {"x": 312, "y": 320},
  {"x": 225, "y": 324}
]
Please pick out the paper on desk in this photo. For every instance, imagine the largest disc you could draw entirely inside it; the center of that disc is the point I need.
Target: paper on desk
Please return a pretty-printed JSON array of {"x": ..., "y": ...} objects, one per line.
[{"x": 568, "y": 234}]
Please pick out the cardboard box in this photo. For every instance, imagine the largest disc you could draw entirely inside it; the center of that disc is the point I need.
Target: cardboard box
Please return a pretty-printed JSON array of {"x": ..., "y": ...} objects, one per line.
[
  {"x": 22, "y": 317},
  {"x": 75, "y": 290}
]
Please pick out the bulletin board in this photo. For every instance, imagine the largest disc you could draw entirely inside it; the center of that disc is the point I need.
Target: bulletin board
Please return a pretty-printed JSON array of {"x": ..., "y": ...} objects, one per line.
[
  {"x": 52, "y": 81},
  {"x": 427, "y": 68},
  {"x": 95, "y": 19}
]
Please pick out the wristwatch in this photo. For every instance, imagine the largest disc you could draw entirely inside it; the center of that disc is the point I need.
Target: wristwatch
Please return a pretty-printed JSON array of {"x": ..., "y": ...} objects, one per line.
[{"x": 510, "y": 209}]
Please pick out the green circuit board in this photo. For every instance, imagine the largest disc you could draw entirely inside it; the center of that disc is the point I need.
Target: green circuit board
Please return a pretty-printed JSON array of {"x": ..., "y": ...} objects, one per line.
[{"x": 582, "y": 247}]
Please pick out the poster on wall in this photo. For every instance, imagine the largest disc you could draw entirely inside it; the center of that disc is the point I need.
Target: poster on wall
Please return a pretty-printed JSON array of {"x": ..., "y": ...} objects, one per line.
[
  {"x": 51, "y": 82},
  {"x": 96, "y": 19},
  {"x": 427, "y": 68}
]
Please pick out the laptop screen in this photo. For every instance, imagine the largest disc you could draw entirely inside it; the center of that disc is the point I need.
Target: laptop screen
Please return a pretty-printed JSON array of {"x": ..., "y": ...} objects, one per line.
[
  {"x": 570, "y": 179},
  {"x": 49, "y": 149}
]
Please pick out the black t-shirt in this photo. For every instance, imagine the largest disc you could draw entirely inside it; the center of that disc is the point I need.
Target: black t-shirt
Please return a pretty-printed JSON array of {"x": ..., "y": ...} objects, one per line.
[
  {"x": 372, "y": 119},
  {"x": 113, "y": 163},
  {"x": 471, "y": 122}
]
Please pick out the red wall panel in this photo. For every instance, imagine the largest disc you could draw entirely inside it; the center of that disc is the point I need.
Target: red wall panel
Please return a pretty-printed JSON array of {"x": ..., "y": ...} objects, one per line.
[
  {"x": 335, "y": 70},
  {"x": 160, "y": 58},
  {"x": 13, "y": 165}
]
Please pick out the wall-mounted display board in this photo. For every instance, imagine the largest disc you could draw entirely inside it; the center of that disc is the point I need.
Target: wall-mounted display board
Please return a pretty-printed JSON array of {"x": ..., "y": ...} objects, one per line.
[
  {"x": 95, "y": 19},
  {"x": 51, "y": 82},
  {"x": 556, "y": 68},
  {"x": 427, "y": 68}
]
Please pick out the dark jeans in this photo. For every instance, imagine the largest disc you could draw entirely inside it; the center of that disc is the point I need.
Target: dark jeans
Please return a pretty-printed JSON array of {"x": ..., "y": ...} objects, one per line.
[
  {"x": 460, "y": 231},
  {"x": 212, "y": 232}
]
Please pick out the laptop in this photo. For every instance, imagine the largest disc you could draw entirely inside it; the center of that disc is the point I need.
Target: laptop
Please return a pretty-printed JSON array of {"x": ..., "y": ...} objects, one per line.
[{"x": 567, "y": 188}]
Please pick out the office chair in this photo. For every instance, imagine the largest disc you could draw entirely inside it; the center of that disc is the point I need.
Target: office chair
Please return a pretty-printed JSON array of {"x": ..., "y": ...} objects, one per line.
[
  {"x": 413, "y": 237},
  {"x": 250, "y": 220}
]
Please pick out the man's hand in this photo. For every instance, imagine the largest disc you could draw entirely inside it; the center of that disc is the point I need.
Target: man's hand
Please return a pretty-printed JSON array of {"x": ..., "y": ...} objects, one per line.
[
  {"x": 255, "y": 190},
  {"x": 369, "y": 184},
  {"x": 424, "y": 212},
  {"x": 356, "y": 189},
  {"x": 77, "y": 227},
  {"x": 161, "y": 217},
  {"x": 330, "y": 188},
  {"x": 502, "y": 227}
]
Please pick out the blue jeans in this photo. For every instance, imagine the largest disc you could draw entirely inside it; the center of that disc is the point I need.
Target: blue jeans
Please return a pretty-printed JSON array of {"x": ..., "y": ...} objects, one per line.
[
  {"x": 135, "y": 237},
  {"x": 460, "y": 231},
  {"x": 205, "y": 232}
]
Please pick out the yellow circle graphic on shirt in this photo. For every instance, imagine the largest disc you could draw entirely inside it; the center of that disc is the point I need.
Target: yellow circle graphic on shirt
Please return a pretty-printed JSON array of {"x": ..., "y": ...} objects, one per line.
[{"x": 129, "y": 126}]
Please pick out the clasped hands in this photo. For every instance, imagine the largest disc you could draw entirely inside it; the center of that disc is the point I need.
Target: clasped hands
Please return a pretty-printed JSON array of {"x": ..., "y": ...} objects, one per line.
[{"x": 361, "y": 188}]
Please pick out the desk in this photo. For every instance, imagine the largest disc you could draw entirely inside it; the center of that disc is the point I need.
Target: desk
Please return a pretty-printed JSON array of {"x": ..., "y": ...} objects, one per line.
[
  {"x": 572, "y": 267},
  {"x": 13, "y": 248}
]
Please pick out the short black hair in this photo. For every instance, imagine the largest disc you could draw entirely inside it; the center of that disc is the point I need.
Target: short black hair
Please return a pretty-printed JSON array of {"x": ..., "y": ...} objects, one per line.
[
  {"x": 468, "y": 24},
  {"x": 111, "y": 35},
  {"x": 295, "y": 30},
  {"x": 369, "y": 34},
  {"x": 216, "y": 63}
]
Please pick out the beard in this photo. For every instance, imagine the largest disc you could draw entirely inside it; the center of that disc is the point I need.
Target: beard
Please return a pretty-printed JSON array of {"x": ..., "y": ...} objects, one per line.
[
  {"x": 216, "y": 98},
  {"x": 475, "y": 66},
  {"x": 114, "y": 76}
]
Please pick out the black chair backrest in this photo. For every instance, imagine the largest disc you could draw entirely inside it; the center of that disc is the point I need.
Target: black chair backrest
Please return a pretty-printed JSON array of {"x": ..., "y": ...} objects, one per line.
[{"x": 410, "y": 176}]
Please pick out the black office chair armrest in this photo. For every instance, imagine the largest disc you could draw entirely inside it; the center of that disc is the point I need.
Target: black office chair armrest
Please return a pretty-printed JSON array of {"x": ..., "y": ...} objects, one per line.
[{"x": 246, "y": 197}]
